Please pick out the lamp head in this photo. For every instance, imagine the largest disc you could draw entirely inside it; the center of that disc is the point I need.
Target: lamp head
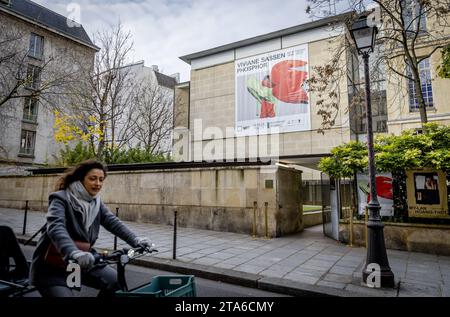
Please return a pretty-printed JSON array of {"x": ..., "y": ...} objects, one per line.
[{"x": 363, "y": 35}]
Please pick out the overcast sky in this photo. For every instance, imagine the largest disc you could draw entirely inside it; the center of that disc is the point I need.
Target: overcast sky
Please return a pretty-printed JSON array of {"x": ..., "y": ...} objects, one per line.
[{"x": 164, "y": 30}]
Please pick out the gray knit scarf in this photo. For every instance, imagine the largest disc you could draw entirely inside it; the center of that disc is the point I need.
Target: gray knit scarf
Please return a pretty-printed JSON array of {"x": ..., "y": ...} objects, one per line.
[{"x": 84, "y": 202}]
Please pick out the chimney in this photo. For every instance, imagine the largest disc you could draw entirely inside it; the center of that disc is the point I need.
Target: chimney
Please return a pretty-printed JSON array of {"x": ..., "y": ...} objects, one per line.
[
  {"x": 176, "y": 76},
  {"x": 155, "y": 68}
]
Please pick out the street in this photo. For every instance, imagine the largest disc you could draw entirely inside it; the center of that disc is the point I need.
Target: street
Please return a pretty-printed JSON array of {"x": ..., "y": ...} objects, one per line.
[{"x": 137, "y": 276}]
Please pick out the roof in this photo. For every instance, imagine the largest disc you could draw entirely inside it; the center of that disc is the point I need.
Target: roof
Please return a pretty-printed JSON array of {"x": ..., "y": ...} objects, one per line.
[
  {"x": 268, "y": 36},
  {"x": 165, "y": 81},
  {"x": 47, "y": 18}
]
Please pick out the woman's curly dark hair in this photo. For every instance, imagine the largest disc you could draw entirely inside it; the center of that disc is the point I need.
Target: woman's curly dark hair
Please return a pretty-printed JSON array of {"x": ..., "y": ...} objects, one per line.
[{"x": 78, "y": 173}]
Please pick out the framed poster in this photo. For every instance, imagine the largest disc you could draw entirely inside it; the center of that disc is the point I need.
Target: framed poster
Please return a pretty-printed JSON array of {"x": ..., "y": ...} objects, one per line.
[
  {"x": 271, "y": 92},
  {"x": 427, "y": 194},
  {"x": 383, "y": 183}
]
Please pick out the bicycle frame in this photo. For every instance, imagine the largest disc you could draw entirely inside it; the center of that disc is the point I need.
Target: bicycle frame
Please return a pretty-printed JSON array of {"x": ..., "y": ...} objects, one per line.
[{"x": 121, "y": 258}]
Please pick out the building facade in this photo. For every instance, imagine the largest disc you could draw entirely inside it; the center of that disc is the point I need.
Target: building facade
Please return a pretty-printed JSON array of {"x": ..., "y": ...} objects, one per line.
[
  {"x": 237, "y": 106},
  {"x": 236, "y": 92},
  {"x": 219, "y": 92},
  {"x": 48, "y": 49},
  {"x": 147, "y": 103}
]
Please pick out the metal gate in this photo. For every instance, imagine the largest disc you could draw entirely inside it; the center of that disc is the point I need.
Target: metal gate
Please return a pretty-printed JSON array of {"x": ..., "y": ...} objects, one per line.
[{"x": 330, "y": 206}]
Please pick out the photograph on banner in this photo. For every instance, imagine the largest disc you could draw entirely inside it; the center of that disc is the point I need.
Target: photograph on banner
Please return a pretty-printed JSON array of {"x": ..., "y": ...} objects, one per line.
[
  {"x": 384, "y": 192},
  {"x": 427, "y": 194},
  {"x": 271, "y": 92}
]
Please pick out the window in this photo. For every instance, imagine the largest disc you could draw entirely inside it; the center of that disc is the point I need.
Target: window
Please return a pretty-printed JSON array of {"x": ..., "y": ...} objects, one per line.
[
  {"x": 33, "y": 76},
  {"x": 27, "y": 142},
  {"x": 36, "y": 46},
  {"x": 425, "y": 81},
  {"x": 413, "y": 15},
  {"x": 30, "y": 109},
  {"x": 381, "y": 126},
  {"x": 356, "y": 84}
]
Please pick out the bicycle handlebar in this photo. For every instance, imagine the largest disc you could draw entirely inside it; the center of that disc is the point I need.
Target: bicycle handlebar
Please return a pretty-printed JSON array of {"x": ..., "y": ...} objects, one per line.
[{"x": 118, "y": 255}]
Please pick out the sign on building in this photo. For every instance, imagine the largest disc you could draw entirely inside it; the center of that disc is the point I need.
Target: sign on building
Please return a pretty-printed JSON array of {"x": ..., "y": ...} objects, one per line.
[
  {"x": 427, "y": 194},
  {"x": 383, "y": 184},
  {"x": 271, "y": 92}
]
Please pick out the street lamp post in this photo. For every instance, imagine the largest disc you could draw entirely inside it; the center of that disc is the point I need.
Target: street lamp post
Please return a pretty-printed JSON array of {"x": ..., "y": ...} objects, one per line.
[{"x": 364, "y": 37}]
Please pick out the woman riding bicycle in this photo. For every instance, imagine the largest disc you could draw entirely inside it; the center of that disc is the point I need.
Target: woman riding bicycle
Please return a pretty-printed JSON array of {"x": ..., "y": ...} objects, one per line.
[{"x": 74, "y": 216}]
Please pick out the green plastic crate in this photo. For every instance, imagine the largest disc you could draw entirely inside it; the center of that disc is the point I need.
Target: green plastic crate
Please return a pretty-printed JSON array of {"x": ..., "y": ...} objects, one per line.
[{"x": 164, "y": 286}]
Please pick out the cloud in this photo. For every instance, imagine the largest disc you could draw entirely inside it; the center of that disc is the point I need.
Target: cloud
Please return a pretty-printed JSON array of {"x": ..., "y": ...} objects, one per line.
[{"x": 164, "y": 30}]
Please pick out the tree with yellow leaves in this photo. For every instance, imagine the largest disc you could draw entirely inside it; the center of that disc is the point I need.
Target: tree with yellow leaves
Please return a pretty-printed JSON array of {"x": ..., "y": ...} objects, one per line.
[{"x": 69, "y": 128}]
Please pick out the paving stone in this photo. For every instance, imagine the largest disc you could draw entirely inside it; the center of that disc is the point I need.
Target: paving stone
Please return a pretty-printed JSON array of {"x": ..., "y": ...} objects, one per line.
[
  {"x": 236, "y": 261},
  {"x": 332, "y": 284},
  {"x": 353, "y": 265},
  {"x": 418, "y": 290},
  {"x": 428, "y": 277},
  {"x": 341, "y": 270},
  {"x": 320, "y": 263},
  {"x": 223, "y": 265},
  {"x": 273, "y": 273},
  {"x": 302, "y": 278},
  {"x": 311, "y": 268},
  {"x": 249, "y": 269},
  {"x": 375, "y": 292},
  {"x": 308, "y": 272},
  {"x": 326, "y": 257},
  {"x": 346, "y": 279},
  {"x": 445, "y": 291},
  {"x": 221, "y": 255}
]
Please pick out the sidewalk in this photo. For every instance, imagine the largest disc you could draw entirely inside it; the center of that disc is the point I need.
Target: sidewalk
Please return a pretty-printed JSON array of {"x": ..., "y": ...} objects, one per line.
[{"x": 303, "y": 264}]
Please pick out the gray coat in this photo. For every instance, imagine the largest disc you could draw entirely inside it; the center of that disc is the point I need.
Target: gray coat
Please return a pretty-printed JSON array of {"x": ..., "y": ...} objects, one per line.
[{"x": 64, "y": 225}]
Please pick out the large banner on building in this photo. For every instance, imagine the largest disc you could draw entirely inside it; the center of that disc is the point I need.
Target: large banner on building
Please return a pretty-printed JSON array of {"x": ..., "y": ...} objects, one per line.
[
  {"x": 383, "y": 184},
  {"x": 271, "y": 92},
  {"x": 427, "y": 194}
]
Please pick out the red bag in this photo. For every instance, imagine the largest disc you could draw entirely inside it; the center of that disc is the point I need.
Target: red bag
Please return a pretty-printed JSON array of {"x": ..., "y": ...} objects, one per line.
[{"x": 54, "y": 258}]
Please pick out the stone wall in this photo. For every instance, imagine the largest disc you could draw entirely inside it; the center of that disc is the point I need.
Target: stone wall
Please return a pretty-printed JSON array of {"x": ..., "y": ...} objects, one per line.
[
  {"x": 433, "y": 239},
  {"x": 220, "y": 198},
  {"x": 312, "y": 218}
]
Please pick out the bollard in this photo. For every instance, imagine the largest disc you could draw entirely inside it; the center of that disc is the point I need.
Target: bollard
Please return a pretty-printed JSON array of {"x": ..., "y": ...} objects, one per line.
[
  {"x": 115, "y": 237},
  {"x": 25, "y": 218},
  {"x": 174, "y": 256},
  {"x": 351, "y": 228},
  {"x": 255, "y": 206},
  {"x": 365, "y": 227},
  {"x": 266, "y": 220}
]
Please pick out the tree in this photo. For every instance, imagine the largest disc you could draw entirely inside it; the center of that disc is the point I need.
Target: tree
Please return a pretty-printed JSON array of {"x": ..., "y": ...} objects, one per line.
[
  {"x": 154, "y": 118},
  {"x": 129, "y": 108},
  {"x": 107, "y": 92},
  {"x": 411, "y": 31},
  {"x": 393, "y": 153},
  {"x": 444, "y": 68},
  {"x": 47, "y": 79}
]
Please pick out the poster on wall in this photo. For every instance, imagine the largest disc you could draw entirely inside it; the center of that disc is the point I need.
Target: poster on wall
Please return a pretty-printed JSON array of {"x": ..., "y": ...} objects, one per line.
[
  {"x": 427, "y": 194},
  {"x": 271, "y": 92},
  {"x": 383, "y": 183}
]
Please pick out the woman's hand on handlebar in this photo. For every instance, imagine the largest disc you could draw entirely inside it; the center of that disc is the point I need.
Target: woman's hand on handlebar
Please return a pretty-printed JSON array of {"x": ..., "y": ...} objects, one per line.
[
  {"x": 84, "y": 259},
  {"x": 142, "y": 242}
]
